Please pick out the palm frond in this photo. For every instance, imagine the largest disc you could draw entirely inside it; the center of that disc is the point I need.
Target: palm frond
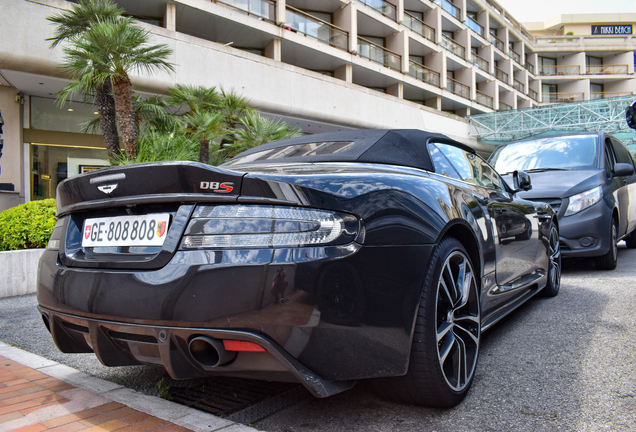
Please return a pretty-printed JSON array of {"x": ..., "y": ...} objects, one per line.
[{"x": 72, "y": 24}]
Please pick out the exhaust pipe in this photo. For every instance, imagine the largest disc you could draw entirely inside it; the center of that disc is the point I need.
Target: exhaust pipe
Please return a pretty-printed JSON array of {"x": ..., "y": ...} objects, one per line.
[{"x": 209, "y": 352}]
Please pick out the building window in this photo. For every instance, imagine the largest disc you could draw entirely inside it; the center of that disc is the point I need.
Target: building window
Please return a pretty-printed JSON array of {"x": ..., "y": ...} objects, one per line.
[{"x": 597, "y": 91}]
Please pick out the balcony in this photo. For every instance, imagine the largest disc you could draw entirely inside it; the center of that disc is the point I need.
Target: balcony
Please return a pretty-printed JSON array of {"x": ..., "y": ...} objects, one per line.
[
  {"x": 265, "y": 9},
  {"x": 533, "y": 94},
  {"x": 315, "y": 28},
  {"x": 560, "y": 70},
  {"x": 606, "y": 70},
  {"x": 563, "y": 97},
  {"x": 501, "y": 75},
  {"x": 453, "y": 46},
  {"x": 515, "y": 55},
  {"x": 606, "y": 95},
  {"x": 519, "y": 86},
  {"x": 384, "y": 7},
  {"x": 379, "y": 54},
  {"x": 475, "y": 26},
  {"x": 498, "y": 43},
  {"x": 448, "y": 7},
  {"x": 484, "y": 99},
  {"x": 458, "y": 88},
  {"x": 529, "y": 67},
  {"x": 418, "y": 26},
  {"x": 424, "y": 74},
  {"x": 504, "y": 106},
  {"x": 480, "y": 62}
]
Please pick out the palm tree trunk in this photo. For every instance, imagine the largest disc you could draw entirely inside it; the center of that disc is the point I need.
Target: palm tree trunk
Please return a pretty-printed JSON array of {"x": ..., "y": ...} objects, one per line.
[
  {"x": 204, "y": 151},
  {"x": 122, "y": 89},
  {"x": 107, "y": 119}
]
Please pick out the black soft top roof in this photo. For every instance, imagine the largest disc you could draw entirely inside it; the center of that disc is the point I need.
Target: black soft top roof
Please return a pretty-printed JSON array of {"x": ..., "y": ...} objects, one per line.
[{"x": 406, "y": 147}]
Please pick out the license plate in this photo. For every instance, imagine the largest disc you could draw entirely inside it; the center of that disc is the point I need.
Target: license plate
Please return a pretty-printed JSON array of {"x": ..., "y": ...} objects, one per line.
[{"x": 141, "y": 230}]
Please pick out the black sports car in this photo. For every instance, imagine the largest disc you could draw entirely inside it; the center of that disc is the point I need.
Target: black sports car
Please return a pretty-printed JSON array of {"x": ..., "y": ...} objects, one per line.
[{"x": 322, "y": 259}]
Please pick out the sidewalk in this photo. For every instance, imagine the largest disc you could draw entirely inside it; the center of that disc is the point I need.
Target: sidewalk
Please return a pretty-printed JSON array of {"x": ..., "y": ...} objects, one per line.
[{"x": 37, "y": 394}]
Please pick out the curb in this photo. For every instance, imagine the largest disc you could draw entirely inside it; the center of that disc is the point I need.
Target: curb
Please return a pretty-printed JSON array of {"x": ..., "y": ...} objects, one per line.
[{"x": 181, "y": 415}]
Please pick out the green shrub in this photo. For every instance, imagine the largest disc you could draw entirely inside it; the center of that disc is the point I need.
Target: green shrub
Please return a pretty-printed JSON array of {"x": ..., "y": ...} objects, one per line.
[{"x": 27, "y": 226}]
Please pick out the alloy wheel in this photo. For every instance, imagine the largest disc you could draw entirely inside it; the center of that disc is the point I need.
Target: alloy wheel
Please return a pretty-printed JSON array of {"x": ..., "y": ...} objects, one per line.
[{"x": 555, "y": 259}]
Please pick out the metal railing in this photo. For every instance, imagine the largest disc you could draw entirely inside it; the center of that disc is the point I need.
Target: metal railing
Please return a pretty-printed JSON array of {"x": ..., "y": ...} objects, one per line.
[
  {"x": 560, "y": 70},
  {"x": 453, "y": 46},
  {"x": 606, "y": 95},
  {"x": 480, "y": 62},
  {"x": 423, "y": 73},
  {"x": 378, "y": 54},
  {"x": 530, "y": 67},
  {"x": 475, "y": 26},
  {"x": 504, "y": 106},
  {"x": 563, "y": 97},
  {"x": 498, "y": 43},
  {"x": 302, "y": 22},
  {"x": 515, "y": 55},
  {"x": 384, "y": 7},
  {"x": 501, "y": 75},
  {"x": 484, "y": 99},
  {"x": 534, "y": 95},
  {"x": 519, "y": 86},
  {"x": 606, "y": 69},
  {"x": 265, "y": 9},
  {"x": 458, "y": 88},
  {"x": 449, "y": 7},
  {"x": 418, "y": 26}
]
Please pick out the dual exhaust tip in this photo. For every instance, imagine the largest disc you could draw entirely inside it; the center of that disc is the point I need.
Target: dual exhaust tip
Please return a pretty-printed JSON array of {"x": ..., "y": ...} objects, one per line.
[{"x": 210, "y": 353}]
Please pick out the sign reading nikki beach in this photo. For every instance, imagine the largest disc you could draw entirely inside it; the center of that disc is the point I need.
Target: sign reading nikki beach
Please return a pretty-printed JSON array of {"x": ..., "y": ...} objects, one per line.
[{"x": 612, "y": 29}]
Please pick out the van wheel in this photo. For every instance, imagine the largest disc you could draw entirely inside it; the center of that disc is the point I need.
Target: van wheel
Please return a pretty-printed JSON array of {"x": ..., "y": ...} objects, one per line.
[{"x": 609, "y": 260}]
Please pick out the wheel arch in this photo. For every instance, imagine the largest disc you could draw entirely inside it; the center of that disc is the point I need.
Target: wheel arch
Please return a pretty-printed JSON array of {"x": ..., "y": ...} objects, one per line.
[{"x": 466, "y": 236}]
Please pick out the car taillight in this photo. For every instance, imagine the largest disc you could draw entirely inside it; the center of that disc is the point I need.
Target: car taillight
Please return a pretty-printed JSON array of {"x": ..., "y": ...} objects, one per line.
[
  {"x": 56, "y": 236},
  {"x": 256, "y": 226}
]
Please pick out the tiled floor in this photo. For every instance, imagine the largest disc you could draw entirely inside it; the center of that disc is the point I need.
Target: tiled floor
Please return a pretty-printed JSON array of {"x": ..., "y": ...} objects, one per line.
[{"x": 31, "y": 401}]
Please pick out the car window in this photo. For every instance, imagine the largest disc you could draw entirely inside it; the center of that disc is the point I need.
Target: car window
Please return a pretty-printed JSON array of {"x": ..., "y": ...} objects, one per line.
[
  {"x": 610, "y": 159},
  {"x": 622, "y": 154},
  {"x": 442, "y": 165},
  {"x": 471, "y": 167},
  {"x": 554, "y": 152}
]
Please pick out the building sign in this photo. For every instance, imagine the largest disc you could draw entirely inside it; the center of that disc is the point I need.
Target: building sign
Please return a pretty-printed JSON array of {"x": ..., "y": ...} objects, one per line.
[{"x": 612, "y": 29}]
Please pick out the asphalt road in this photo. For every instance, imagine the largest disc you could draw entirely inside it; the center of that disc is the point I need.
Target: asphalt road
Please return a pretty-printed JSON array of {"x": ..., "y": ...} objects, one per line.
[{"x": 566, "y": 363}]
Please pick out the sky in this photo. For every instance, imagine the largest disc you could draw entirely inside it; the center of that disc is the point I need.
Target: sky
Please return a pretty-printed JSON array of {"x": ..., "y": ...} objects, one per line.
[{"x": 542, "y": 10}]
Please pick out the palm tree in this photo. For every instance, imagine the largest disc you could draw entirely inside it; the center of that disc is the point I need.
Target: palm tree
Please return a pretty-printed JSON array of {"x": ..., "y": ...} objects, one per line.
[
  {"x": 110, "y": 50},
  {"x": 70, "y": 26},
  {"x": 234, "y": 107},
  {"x": 205, "y": 126},
  {"x": 194, "y": 98},
  {"x": 256, "y": 130}
]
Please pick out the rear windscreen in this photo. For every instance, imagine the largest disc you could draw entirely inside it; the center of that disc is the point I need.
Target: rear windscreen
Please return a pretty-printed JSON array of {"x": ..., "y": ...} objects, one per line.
[{"x": 298, "y": 150}]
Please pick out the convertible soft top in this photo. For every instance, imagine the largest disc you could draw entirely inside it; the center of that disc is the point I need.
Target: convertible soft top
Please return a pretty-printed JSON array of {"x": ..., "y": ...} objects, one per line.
[{"x": 406, "y": 147}]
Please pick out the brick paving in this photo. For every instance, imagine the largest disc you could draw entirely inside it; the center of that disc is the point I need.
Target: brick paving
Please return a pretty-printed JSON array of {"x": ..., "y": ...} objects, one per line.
[{"x": 31, "y": 401}]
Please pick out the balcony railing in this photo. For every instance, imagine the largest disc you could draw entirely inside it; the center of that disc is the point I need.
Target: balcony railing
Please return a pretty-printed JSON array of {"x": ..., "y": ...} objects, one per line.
[
  {"x": 563, "y": 97},
  {"x": 301, "y": 22},
  {"x": 475, "y": 26},
  {"x": 498, "y": 43},
  {"x": 484, "y": 99},
  {"x": 605, "y": 95},
  {"x": 607, "y": 69},
  {"x": 560, "y": 70},
  {"x": 418, "y": 26},
  {"x": 501, "y": 75},
  {"x": 458, "y": 88},
  {"x": 453, "y": 46},
  {"x": 423, "y": 73},
  {"x": 479, "y": 62},
  {"x": 530, "y": 67},
  {"x": 515, "y": 55},
  {"x": 504, "y": 106},
  {"x": 449, "y": 7},
  {"x": 265, "y": 9},
  {"x": 378, "y": 54},
  {"x": 519, "y": 86},
  {"x": 533, "y": 94},
  {"x": 384, "y": 7}
]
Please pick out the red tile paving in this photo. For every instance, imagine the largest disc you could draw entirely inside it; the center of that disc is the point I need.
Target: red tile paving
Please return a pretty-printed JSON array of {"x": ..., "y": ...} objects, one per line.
[{"x": 24, "y": 390}]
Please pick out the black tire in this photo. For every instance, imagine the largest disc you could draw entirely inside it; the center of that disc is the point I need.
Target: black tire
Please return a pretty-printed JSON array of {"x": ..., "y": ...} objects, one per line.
[
  {"x": 609, "y": 260},
  {"x": 554, "y": 270},
  {"x": 447, "y": 334},
  {"x": 630, "y": 240}
]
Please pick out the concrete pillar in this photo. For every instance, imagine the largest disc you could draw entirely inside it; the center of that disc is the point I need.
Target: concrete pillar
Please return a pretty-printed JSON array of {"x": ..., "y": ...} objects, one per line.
[
  {"x": 506, "y": 66},
  {"x": 399, "y": 6},
  {"x": 273, "y": 50},
  {"x": 483, "y": 19},
  {"x": 399, "y": 44},
  {"x": 437, "y": 62},
  {"x": 344, "y": 73},
  {"x": 434, "y": 19},
  {"x": 396, "y": 90},
  {"x": 281, "y": 7},
  {"x": 463, "y": 112},
  {"x": 462, "y": 9},
  {"x": 170, "y": 17},
  {"x": 11, "y": 161},
  {"x": 346, "y": 18},
  {"x": 462, "y": 37},
  {"x": 435, "y": 102},
  {"x": 504, "y": 35}
]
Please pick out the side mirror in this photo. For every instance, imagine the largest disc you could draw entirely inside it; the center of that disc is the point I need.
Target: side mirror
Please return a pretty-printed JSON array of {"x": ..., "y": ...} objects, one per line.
[
  {"x": 623, "y": 169},
  {"x": 629, "y": 115},
  {"x": 521, "y": 181}
]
